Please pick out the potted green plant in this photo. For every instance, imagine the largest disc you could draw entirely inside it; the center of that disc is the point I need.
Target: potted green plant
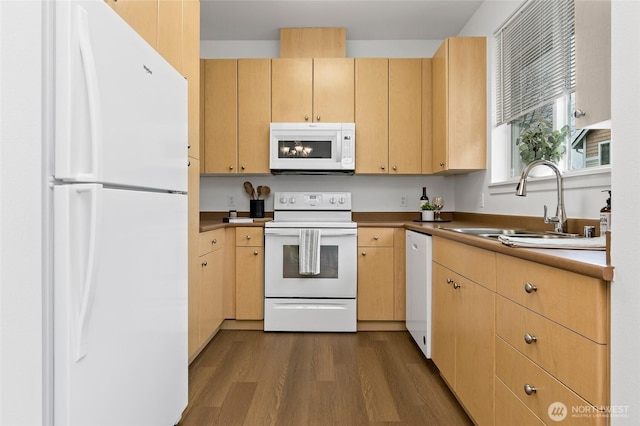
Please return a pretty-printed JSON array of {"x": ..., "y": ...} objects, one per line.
[
  {"x": 539, "y": 141},
  {"x": 428, "y": 211}
]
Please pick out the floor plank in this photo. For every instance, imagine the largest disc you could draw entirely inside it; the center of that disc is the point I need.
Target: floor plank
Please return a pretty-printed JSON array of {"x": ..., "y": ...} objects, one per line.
[{"x": 367, "y": 378}]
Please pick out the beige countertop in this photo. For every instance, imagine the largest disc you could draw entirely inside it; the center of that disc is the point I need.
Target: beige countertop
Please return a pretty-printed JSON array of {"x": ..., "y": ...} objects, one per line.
[{"x": 592, "y": 263}]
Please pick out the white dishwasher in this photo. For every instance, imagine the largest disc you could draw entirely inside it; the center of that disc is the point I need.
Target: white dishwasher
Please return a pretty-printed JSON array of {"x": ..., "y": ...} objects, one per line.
[{"x": 418, "y": 260}]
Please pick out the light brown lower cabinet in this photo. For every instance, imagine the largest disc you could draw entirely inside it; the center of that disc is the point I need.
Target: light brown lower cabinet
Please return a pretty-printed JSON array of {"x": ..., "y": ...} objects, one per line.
[
  {"x": 463, "y": 327},
  {"x": 381, "y": 274},
  {"x": 249, "y": 273},
  {"x": 206, "y": 297}
]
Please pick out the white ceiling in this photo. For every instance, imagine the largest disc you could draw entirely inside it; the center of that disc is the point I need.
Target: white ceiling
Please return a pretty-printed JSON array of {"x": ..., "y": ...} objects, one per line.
[{"x": 363, "y": 20}]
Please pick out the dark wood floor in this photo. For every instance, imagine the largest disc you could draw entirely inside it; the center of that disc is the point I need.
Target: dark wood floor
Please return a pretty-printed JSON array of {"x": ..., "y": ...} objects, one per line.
[{"x": 365, "y": 378}]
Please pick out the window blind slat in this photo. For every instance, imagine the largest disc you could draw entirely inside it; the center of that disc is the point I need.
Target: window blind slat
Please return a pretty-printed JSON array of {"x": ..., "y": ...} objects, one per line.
[{"x": 536, "y": 56}]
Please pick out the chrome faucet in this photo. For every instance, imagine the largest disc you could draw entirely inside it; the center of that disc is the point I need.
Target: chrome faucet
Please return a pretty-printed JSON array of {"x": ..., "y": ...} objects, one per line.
[{"x": 521, "y": 190}]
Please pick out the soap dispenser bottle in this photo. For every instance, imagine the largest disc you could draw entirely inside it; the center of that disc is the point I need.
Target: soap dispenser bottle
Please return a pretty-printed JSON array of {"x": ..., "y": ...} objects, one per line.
[{"x": 605, "y": 215}]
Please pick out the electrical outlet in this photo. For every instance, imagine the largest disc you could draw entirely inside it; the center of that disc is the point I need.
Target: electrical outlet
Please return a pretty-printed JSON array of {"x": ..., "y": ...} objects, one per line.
[
  {"x": 231, "y": 201},
  {"x": 403, "y": 201}
]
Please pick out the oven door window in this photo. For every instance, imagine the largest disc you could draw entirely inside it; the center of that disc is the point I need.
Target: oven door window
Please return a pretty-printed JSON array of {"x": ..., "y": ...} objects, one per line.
[
  {"x": 328, "y": 262},
  {"x": 318, "y": 149}
]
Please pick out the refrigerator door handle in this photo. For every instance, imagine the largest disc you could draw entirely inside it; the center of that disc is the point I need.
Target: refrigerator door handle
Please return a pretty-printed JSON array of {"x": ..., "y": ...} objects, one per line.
[
  {"x": 87, "y": 290},
  {"x": 93, "y": 96}
]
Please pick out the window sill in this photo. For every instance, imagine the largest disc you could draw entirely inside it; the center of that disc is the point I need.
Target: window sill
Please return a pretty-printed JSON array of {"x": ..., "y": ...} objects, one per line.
[{"x": 577, "y": 179}]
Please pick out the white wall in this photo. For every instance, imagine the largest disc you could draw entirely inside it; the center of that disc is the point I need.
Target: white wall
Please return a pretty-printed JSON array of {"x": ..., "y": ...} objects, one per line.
[
  {"x": 21, "y": 270},
  {"x": 625, "y": 291}
]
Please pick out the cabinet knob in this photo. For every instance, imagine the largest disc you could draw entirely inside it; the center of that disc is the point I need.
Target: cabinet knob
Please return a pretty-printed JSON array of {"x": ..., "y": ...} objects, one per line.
[
  {"x": 317, "y": 118},
  {"x": 395, "y": 167},
  {"x": 248, "y": 237},
  {"x": 375, "y": 237},
  {"x": 529, "y": 338},
  {"x": 204, "y": 263},
  {"x": 189, "y": 163},
  {"x": 449, "y": 280},
  {"x": 255, "y": 252},
  {"x": 189, "y": 146},
  {"x": 364, "y": 253},
  {"x": 214, "y": 241},
  {"x": 529, "y": 390},
  {"x": 579, "y": 113},
  {"x": 456, "y": 285},
  {"x": 306, "y": 118},
  {"x": 231, "y": 167},
  {"x": 530, "y": 288},
  {"x": 382, "y": 167},
  {"x": 242, "y": 167},
  {"x": 441, "y": 164}
]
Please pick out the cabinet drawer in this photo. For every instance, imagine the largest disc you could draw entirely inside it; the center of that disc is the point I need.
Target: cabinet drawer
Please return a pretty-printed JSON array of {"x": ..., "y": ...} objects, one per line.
[
  {"x": 473, "y": 263},
  {"x": 211, "y": 240},
  {"x": 515, "y": 371},
  {"x": 576, "y": 361},
  {"x": 575, "y": 301},
  {"x": 510, "y": 410},
  {"x": 249, "y": 237},
  {"x": 380, "y": 237}
]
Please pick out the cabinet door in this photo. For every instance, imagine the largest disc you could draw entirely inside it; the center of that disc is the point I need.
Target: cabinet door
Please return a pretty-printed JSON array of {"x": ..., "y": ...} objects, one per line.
[
  {"x": 443, "y": 326},
  {"x": 220, "y": 108},
  {"x": 475, "y": 349},
  {"x": 593, "y": 63},
  {"x": 141, "y": 15},
  {"x": 427, "y": 121},
  {"x": 405, "y": 116},
  {"x": 375, "y": 283},
  {"x": 254, "y": 114},
  {"x": 194, "y": 261},
  {"x": 170, "y": 32},
  {"x": 191, "y": 70},
  {"x": 249, "y": 283},
  {"x": 372, "y": 115},
  {"x": 459, "y": 96},
  {"x": 210, "y": 303},
  {"x": 333, "y": 90},
  {"x": 291, "y": 90}
]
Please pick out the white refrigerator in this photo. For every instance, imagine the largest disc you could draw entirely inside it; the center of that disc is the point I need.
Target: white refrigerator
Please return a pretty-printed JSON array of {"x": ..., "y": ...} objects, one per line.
[{"x": 118, "y": 179}]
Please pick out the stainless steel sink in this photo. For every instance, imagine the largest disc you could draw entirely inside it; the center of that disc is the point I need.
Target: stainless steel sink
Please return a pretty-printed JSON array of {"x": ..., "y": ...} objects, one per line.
[{"x": 511, "y": 232}]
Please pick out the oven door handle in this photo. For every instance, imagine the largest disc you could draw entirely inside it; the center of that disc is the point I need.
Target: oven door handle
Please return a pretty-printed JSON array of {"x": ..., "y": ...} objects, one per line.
[{"x": 294, "y": 232}]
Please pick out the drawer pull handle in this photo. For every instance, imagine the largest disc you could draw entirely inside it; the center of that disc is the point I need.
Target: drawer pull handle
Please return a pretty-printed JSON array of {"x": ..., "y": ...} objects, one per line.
[
  {"x": 204, "y": 263},
  {"x": 375, "y": 237},
  {"x": 248, "y": 237},
  {"x": 456, "y": 285},
  {"x": 214, "y": 241},
  {"x": 255, "y": 253},
  {"x": 364, "y": 253},
  {"x": 529, "y": 339},
  {"x": 530, "y": 288},
  {"x": 529, "y": 390}
]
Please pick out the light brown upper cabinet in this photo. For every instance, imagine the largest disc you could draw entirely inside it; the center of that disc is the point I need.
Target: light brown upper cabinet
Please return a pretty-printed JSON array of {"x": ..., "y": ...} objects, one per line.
[
  {"x": 389, "y": 118},
  {"x": 191, "y": 70},
  {"x": 459, "y": 83},
  {"x": 405, "y": 116},
  {"x": 593, "y": 64},
  {"x": 312, "y": 90},
  {"x": 220, "y": 115},
  {"x": 170, "y": 32},
  {"x": 141, "y": 15},
  {"x": 236, "y": 114},
  {"x": 254, "y": 115},
  {"x": 372, "y": 115}
]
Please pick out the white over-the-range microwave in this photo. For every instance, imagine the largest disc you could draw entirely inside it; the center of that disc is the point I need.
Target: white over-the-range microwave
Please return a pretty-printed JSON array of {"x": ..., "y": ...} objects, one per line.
[{"x": 312, "y": 148}]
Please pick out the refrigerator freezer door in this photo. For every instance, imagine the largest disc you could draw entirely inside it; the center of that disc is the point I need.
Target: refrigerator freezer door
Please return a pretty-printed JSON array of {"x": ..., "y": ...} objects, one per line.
[
  {"x": 121, "y": 109},
  {"x": 120, "y": 306}
]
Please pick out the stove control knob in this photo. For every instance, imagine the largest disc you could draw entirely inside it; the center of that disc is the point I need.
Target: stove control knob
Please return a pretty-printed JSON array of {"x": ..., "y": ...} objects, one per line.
[
  {"x": 292, "y": 200},
  {"x": 342, "y": 200},
  {"x": 332, "y": 200},
  {"x": 283, "y": 200}
]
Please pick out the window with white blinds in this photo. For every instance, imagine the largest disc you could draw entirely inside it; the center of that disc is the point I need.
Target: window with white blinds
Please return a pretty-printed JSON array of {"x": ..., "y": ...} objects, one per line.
[{"x": 536, "y": 57}]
